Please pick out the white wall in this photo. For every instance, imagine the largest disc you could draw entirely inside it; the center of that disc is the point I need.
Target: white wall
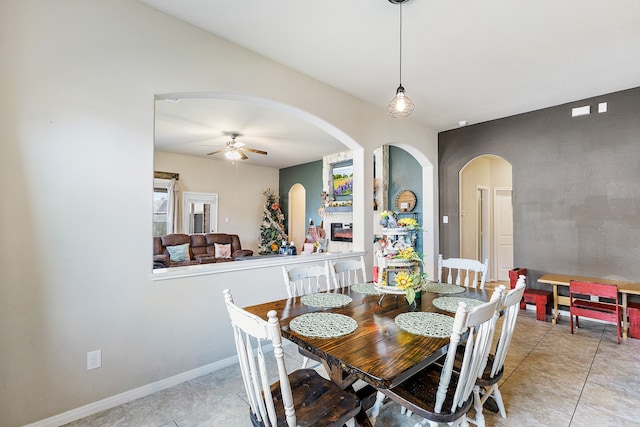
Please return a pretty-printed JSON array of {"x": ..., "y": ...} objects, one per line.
[
  {"x": 239, "y": 188},
  {"x": 76, "y": 130}
]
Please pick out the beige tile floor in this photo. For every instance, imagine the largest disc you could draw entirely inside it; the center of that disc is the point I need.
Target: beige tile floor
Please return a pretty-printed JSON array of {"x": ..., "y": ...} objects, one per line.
[{"x": 552, "y": 378}]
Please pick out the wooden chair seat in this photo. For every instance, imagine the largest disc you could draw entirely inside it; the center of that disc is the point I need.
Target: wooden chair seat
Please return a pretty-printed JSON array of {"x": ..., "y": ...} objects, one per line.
[
  {"x": 318, "y": 402},
  {"x": 418, "y": 395},
  {"x": 596, "y": 306}
]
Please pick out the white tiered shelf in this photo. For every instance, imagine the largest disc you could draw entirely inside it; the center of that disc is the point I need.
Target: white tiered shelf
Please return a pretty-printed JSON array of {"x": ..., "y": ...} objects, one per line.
[{"x": 389, "y": 267}]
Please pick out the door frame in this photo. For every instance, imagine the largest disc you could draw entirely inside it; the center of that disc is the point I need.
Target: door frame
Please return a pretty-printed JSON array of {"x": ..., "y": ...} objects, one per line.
[{"x": 484, "y": 218}]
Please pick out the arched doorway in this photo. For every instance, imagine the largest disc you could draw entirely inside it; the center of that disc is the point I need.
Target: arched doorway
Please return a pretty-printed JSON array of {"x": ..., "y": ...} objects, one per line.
[
  {"x": 297, "y": 215},
  {"x": 486, "y": 216}
]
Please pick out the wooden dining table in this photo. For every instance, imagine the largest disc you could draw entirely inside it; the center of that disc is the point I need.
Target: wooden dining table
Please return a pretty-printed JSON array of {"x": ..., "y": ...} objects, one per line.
[{"x": 378, "y": 351}]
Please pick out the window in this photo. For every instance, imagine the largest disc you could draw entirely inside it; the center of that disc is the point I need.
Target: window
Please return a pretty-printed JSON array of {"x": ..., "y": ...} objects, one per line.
[
  {"x": 164, "y": 206},
  {"x": 160, "y": 196}
]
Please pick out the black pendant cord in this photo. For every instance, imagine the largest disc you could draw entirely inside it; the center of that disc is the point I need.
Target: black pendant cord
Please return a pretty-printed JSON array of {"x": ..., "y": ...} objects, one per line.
[{"x": 400, "y": 44}]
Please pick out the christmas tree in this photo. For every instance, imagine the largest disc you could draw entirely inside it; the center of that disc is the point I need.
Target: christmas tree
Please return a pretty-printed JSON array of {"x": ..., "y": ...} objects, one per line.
[{"x": 272, "y": 229}]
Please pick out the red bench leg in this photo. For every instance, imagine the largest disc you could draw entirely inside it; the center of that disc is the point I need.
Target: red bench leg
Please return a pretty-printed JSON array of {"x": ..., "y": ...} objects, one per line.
[{"x": 541, "y": 311}]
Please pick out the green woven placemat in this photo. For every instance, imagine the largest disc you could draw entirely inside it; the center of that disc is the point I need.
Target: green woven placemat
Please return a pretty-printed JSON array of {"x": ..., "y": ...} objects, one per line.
[
  {"x": 325, "y": 300},
  {"x": 365, "y": 288},
  {"x": 442, "y": 288},
  {"x": 451, "y": 303},
  {"x": 428, "y": 324},
  {"x": 323, "y": 325}
]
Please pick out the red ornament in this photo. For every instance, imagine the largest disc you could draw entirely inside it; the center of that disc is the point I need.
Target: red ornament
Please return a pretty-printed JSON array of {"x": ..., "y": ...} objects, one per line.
[{"x": 275, "y": 206}]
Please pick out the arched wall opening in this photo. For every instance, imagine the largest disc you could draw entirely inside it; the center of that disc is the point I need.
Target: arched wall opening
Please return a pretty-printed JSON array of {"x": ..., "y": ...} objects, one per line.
[
  {"x": 363, "y": 174},
  {"x": 297, "y": 215},
  {"x": 429, "y": 203},
  {"x": 486, "y": 214}
]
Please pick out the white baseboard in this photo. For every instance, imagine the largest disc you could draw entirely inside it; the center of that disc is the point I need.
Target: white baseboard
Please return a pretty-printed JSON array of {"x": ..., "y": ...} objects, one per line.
[{"x": 128, "y": 396}]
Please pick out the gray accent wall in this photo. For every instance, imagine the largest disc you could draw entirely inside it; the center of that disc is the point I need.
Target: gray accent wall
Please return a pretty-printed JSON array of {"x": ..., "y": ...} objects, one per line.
[{"x": 576, "y": 186}]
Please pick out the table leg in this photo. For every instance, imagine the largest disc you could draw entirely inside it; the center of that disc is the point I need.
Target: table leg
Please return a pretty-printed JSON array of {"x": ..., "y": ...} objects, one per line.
[
  {"x": 624, "y": 315},
  {"x": 556, "y": 310},
  {"x": 336, "y": 374},
  {"x": 362, "y": 419}
]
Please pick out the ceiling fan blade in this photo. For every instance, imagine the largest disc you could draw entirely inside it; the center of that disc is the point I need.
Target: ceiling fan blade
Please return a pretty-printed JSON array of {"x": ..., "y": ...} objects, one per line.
[
  {"x": 242, "y": 155},
  {"x": 216, "y": 151},
  {"x": 253, "y": 150}
]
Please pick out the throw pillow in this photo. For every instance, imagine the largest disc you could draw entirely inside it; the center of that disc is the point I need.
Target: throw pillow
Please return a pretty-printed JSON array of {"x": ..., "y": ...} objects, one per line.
[
  {"x": 223, "y": 251},
  {"x": 179, "y": 253}
]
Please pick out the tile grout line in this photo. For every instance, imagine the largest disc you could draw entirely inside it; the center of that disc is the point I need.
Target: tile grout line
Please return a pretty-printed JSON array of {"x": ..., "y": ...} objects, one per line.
[
  {"x": 528, "y": 354},
  {"x": 587, "y": 377}
]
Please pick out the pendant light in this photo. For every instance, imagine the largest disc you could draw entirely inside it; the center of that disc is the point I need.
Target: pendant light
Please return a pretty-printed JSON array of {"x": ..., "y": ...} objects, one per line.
[{"x": 401, "y": 105}]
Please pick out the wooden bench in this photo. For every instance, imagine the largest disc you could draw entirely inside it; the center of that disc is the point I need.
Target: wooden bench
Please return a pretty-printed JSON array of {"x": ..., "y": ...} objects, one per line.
[{"x": 541, "y": 298}]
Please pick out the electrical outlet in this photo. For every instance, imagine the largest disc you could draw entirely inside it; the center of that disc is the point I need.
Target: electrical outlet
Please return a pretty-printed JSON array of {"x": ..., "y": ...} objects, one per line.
[{"x": 94, "y": 359}]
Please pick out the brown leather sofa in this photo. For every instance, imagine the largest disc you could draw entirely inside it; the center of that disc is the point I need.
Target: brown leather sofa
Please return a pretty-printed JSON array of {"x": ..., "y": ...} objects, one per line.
[{"x": 202, "y": 249}]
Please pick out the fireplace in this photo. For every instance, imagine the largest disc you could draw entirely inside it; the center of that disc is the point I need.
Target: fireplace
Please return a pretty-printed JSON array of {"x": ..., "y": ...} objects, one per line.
[{"x": 341, "y": 232}]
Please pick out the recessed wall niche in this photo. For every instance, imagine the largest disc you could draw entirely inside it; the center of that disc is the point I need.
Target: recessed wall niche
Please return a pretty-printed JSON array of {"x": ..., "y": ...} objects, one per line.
[{"x": 339, "y": 209}]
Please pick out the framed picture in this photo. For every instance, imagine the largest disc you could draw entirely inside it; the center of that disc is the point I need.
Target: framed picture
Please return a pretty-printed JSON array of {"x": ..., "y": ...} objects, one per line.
[{"x": 342, "y": 179}]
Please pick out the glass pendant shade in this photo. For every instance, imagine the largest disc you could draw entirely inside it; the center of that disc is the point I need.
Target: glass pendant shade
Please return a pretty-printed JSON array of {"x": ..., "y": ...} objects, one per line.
[{"x": 401, "y": 105}]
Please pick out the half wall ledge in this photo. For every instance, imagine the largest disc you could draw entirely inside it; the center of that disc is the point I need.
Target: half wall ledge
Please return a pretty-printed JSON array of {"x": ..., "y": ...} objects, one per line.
[{"x": 249, "y": 264}]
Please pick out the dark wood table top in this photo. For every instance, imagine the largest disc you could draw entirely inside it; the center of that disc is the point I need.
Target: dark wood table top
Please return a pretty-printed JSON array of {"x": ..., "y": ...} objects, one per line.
[{"x": 378, "y": 351}]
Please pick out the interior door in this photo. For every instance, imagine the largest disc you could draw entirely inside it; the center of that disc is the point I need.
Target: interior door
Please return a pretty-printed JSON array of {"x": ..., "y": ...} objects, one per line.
[{"x": 503, "y": 219}]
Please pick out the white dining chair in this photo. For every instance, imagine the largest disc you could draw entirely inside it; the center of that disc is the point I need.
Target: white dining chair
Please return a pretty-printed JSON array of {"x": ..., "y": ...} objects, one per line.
[
  {"x": 487, "y": 383},
  {"x": 320, "y": 401},
  {"x": 306, "y": 279},
  {"x": 303, "y": 280},
  {"x": 439, "y": 393},
  {"x": 347, "y": 272},
  {"x": 466, "y": 272}
]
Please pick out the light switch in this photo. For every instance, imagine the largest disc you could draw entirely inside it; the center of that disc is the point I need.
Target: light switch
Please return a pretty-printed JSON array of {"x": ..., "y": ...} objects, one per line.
[{"x": 445, "y": 219}]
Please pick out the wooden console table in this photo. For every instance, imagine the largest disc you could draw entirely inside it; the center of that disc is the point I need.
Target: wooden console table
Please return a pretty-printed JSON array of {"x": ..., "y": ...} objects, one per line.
[{"x": 624, "y": 288}]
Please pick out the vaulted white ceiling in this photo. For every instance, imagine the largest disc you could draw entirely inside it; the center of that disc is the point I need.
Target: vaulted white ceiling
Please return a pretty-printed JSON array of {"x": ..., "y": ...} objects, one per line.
[{"x": 462, "y": 60}]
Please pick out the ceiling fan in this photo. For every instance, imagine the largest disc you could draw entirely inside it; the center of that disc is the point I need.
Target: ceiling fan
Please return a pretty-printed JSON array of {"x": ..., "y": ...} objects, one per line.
[{"x": 236, "y": 150}]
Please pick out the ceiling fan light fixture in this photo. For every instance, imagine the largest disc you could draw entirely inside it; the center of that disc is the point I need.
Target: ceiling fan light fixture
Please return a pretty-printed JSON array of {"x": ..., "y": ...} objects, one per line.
[
  {"x": 236, "y": 150},
  {"x": 233, "y": 155},
  {"x": 401, "y": 105}
]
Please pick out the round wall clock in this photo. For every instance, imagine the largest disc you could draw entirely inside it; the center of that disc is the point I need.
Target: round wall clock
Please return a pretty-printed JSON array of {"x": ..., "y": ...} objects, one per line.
[{"x": 405, "y": 201}]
